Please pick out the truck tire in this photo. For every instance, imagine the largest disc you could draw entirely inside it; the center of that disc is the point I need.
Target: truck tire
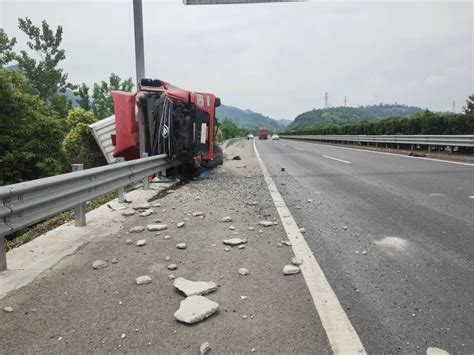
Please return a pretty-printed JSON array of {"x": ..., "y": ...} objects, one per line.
[{"x": 218, "y": 158}]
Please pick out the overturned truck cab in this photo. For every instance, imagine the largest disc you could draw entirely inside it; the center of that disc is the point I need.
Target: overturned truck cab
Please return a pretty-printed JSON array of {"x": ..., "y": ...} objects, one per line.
[{"x": 176, "y": 122}]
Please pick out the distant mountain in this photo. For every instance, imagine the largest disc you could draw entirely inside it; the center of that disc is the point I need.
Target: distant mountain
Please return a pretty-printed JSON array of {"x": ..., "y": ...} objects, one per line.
[
  {"x": 249, "y": 119},
  {"x": 347, "y": 115}
]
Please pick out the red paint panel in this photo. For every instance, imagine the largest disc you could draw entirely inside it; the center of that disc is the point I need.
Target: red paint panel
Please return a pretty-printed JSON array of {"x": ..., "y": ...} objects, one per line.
[{"x": 126, "y": 138}]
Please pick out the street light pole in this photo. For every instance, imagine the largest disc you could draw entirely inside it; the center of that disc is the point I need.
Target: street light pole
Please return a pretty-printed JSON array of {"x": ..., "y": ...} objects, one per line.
[{"x": 139, "y": 64}]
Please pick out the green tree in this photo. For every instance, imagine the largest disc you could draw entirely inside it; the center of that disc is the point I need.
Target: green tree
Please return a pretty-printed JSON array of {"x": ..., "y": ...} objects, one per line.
[
  {"x": 6, "y": 49},
  {"x": 30, "y": 134},
  {"x": 43, "y": 74},
  {"x": 102, "y": 102},
  {"x": 79, "y": 144},
  {"x": 469, "y": 108},
  {"x": 84, "y": 99}
]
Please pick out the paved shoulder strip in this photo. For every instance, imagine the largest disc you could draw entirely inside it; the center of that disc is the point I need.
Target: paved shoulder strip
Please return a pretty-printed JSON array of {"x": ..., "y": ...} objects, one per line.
[{"x": 341, "y": 334}]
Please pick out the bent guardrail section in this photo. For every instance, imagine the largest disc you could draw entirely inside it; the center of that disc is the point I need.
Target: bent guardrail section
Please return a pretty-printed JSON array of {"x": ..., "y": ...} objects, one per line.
[
  {"x": 27, "y": 203},
  {"x": 429, "y": 140}
]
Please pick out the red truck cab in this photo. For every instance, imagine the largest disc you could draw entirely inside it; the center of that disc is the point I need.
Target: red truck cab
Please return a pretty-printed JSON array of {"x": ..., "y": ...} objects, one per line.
[
  {"x": 263, "y": 133},
  {"x": 176, "y": 122}
]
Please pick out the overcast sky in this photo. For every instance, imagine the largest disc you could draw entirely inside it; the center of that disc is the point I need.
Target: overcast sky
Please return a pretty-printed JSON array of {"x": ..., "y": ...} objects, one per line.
[{"x": 277, "y": 59}]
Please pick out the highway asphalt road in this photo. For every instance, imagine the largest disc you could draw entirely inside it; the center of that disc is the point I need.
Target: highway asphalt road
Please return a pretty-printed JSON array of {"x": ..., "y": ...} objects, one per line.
[{"x": 394, "y": 236}]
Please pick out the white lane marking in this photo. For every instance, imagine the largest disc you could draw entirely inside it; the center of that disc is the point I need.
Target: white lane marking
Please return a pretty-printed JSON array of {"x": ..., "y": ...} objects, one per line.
[
  {"x": 436, "y": 351},
  {"x": 470, "y": 196},
  {"x": 298, "y": 148},
  {"x": 342, "y": 161},
  {"x": 340, "y": 332},
  {"x": 396, "y": 155}
]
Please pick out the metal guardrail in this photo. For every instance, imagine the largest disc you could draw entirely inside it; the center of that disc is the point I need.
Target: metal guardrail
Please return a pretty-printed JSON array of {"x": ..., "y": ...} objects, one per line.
[
  {"x": 24, "y": 204},
  {"x": 429, "y": 140}
]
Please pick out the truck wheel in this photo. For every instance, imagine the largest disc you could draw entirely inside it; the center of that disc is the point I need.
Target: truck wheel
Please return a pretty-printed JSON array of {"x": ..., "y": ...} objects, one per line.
[{"x": 218, "y": 158}]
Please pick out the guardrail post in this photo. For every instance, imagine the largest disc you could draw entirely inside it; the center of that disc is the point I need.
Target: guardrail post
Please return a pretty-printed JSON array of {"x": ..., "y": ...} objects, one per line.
[
  {"x": 121, "y": 190},
  {"x": 3, "y": 254},
  {"x": 80, "y": 209},
  {"x": 146, "y": 183}
]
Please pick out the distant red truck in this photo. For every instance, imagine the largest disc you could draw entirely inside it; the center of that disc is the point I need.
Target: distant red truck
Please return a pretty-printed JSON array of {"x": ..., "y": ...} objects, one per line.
[{"x": 263, "y": 133}]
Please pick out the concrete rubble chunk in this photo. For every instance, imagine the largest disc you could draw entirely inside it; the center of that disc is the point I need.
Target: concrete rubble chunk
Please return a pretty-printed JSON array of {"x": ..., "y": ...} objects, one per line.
[
  {"x": 279, "y": 245},
  {"x": 198, "y": 214},
  {"x": 137, "y": 229},
  {"x": 205, "y": 348},
  {"x": 114, "y": 260},
  {"x": 129, "y": 241},
  {"x": 241, "y": 246},
  {"x": 172, "y": 267},
  {"x": 267, "y": 223},
  {"x": 252, "y": 203},
  {"x": 156, "y": 204},
  {"x": 226, "y": 249},
  {"x": 142, "y": 280},
  {"x": 166, "y": 237},
  {"x": 128, "y": 213},
  {"x": 171, "y": 277},
  {"x": 180, "y": 225},
  {"x": 296, "y": 261},
  {"x": 251, "y": 228},
  {"x": 291, "y": 269},
  {"x": 286, "y": 242},
  {"x": 156, "y": 227},
  {"x": 227, "y": 219},
  {"x": 234, "y": 241},
  {"x": 181, "y": 246},
  {"x": 302, "y": 230},
  {"x": 142, "y": 206},
  {"x": 146, "y": 213},
  {"x": 193, "y": 288},
  {"x": 8, "y": 309},
  {"x": 140, "y": 243},
  {"x": 194, "y": 309},
  {"x": 231, "y": 228},
  {"x": 167, "y": 258},
  {"x": 243, "y": 271},
  {"x": 364, "y": 252},
  {"x": 260, "y": 231},
  {"x": 157, "y": 220},
  {"x": 99, "y": 264}
]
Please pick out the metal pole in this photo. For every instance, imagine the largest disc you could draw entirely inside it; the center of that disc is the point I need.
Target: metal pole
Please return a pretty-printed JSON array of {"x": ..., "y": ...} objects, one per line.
[
  {"x": 139, "y": 63},
  {"x": 3, "y": 254},
  {"x": 146, "y": 183},
  {"x": 80, "y": 209},
  {"x": 121, "y": 190}
]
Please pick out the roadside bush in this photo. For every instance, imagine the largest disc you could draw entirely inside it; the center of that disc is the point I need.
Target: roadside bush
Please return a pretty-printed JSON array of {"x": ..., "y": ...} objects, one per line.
[{"x": 79, "y": 144}]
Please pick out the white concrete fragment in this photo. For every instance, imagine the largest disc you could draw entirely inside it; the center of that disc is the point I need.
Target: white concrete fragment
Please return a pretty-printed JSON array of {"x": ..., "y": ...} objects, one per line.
[
  {"x": 180, "y": 225},
  {"x": 436, "y": 351},
  {"x": 251, "y": 228},
  {"x": 345, "y": 228},
  {"x": 260, "y": 231},
  {"x": 234, "y": 241},
  {"x": 140, "y": 243},
  {"x": 364, "y": 252},
  {"x": 8, "y": 309},
  {"x": 227, "y": 219},
  {"x": 166, "y": 237},
  {"x": 241, "y": 246},
  {"x": 226, "y": 249},
  {"x": 232, "y": 228},
  {"x": 146, "y": 213},
  {"x": 302, "y": 230},
  {"x": 198, "y": 214},
  {"x": 129, "y": 241},
  {"x": 194, "y": 309},
  {"x": 99, "y": 264},
  {"x": 172, "y": 267},
  {"x": 267, "y": 223},
  {"x": 243, "y": 271},
  {"x": 286, "y": 242},
  {"x": 192, "y": 288},
  {"x": 156, "y": 227},
  {"x": 296, "y": 261},
  {"x": 142, "y": 206},
  {"x": 181, "y": 246},
  {"x": 279, "y": 245},
  {"x": 205, "y": 348},
  {"x": 156, "y": 204},
  {"x": 123, "y": 336},
  {"x": 171, "y": 277},
  {"x": 128, "y": 213},
  {"x": 167, "y": 258},
  {"x": 114, "y": 260},
  {"x": 142, "y": 280},
  {"x": 291, "y": 269},
  {"x": 137, "y": 229}
]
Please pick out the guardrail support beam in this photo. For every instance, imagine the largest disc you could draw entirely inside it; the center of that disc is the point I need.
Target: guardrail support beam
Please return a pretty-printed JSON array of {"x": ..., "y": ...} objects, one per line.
[
  {"x": 3, "y": 254},
  {"x": 146, "y": 183},
  {"x": 121, "y": 190},
  {"x": 80, "y": 209}
]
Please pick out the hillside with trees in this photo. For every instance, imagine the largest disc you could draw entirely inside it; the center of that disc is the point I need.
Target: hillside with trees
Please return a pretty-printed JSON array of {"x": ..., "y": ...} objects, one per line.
[
  {"x": 349, "y": 115},
  {"x": 250, "y": 120}
]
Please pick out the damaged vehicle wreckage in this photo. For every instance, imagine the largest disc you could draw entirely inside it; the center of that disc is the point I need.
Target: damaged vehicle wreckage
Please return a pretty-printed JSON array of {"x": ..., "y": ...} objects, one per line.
[{"x": 176, "y": 122}]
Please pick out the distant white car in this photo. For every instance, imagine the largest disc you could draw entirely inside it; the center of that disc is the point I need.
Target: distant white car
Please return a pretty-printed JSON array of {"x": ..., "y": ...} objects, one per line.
[
  {"x": 250, "y": 136},
  {"x": 275, "y": 137}
]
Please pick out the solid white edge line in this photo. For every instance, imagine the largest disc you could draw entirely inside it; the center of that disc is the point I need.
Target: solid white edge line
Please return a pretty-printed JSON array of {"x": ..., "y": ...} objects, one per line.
[
  {"x": 339, "y": 330},
  {"x": 342, "y": 161},
  {"x": 470, "y": 196},
  {"x": 393, "y": 154}
]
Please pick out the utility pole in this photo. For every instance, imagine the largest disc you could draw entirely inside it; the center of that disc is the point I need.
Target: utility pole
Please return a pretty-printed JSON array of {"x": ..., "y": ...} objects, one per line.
[
  {"x": 454, "y": 106},
  {"x": 345, "y": 101},
  {"x": 326, "y": 104},
  {"x": 139, "y": 64}
]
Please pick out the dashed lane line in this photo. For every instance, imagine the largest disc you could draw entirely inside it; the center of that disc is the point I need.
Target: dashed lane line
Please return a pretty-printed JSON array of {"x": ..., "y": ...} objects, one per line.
[
  {"x": 342, "y": 161},
  {"x": 339, "y": 330}
]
